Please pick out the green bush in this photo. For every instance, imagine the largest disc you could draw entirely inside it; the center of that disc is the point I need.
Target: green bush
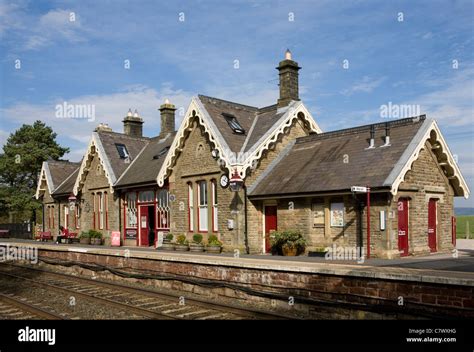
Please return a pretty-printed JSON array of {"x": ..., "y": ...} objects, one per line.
[
  {"x": 85, "y": 234},
  {"x": 213, "y": 241},
  {"x": 181, "y": 239},
  {"x": 290, "y": 239},
  {"x": 169, "y": 237},
  {"x": 95, "y": 234},
  {"x": 197, "y": 238}
]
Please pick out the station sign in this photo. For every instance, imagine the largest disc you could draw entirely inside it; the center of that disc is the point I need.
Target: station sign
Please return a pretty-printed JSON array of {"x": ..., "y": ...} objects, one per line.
[{"x": 359, "y": 189}]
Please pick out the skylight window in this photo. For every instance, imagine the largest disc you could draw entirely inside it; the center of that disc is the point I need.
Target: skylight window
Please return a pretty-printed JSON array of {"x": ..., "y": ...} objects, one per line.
[
  {"x": 122, "y": 150},
  {"x": 161, "y": 153},
  {"x": 233, "y": 123}
]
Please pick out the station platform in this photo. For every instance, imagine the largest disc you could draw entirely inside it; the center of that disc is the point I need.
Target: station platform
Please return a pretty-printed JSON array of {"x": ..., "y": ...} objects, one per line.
[{"x": 435, "y": 268}]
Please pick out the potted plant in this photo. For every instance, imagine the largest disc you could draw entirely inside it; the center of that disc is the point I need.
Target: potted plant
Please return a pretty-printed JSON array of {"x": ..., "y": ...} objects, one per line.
[
  {"x": 85, "y": 237},
  {"x": 288, "y": 243},
  {"x": 213, "y": 245},
  {"x": 196, "y": 245},
  {"x": 318, "y": 252},
  {"x": 96, "y": 237},
  {"x": 181, "y": 243},
  {"x": 167, "y": 242}
]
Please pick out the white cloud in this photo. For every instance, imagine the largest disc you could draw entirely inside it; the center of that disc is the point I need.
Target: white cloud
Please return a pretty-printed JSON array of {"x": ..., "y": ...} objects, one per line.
[
  {"x": 109, "y": 109},
  {"x": 366, "y": 85},
  {"x": 53, "y": 26}
]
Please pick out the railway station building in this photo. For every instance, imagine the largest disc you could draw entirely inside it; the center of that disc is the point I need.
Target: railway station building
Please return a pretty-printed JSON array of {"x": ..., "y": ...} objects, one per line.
[{"x": 240, "y": 172}]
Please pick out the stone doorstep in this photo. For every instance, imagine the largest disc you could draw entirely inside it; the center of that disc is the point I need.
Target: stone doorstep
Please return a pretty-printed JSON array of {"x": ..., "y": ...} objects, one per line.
[{"x": 388, "y": 273}]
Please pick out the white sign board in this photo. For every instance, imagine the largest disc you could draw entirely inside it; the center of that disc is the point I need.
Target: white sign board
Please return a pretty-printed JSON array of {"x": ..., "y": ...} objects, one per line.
[
  {"x": 359, "y": 189},
  {"x": 159, "y": 241}
]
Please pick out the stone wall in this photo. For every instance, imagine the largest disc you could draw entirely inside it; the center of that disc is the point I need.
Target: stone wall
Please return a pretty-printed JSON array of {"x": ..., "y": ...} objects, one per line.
[{"x": 426, "y": 180}]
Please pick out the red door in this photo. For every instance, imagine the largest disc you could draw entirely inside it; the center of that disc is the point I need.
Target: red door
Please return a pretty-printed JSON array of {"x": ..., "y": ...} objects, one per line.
[
  {"x": 270, "y": 224},
  {"x": 143, "y": 225},
  {"x": 432, "y": 225},
  {"x": 403, "y": 226}
]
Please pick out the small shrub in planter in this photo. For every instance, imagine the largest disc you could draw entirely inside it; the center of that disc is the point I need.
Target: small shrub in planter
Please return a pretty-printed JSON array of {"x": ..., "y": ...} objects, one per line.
[
  {"x": 213, "y": 245},
  {"x": 289, "y": 243},
  {"x": 84, "y": 237},
  {"x": 196, "y": 245},
  {"x": 168, "y": 243},
  {"x": 96, "y": 237},
  {"x": 181, "y": 243}
]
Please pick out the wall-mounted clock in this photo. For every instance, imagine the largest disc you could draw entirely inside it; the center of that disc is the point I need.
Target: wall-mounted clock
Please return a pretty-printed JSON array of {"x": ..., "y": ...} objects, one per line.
[
  {"x": 224, "y": 181},
  {"x": 215, "y": 153}
]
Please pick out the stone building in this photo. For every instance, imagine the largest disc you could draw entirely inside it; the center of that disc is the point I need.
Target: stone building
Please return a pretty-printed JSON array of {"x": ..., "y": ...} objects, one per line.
[{"x": 240, "y": 172}]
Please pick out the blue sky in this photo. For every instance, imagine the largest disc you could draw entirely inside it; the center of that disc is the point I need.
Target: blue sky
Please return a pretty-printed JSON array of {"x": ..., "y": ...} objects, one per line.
[{"x": 405, "y": 60}]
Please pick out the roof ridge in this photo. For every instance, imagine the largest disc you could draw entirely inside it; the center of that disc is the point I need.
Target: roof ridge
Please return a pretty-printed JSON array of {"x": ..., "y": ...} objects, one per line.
[
  {"x": 351, "y": 130},
  {"x": 123, "y": 134},
  {"x": 228, "y": 102},
  {"x": 267, "y": 108}
]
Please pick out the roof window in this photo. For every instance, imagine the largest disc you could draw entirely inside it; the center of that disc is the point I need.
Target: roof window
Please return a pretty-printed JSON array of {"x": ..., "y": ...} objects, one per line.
[
  {"x": 122, "y": 150},
  {"x": 233, "y": 123}
]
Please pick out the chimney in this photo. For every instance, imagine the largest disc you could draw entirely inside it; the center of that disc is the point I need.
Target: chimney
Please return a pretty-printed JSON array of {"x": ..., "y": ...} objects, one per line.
[
  {"x": 167, "y": 118},
  {"x": 372, "y": 137},
  {"x": 133, "y": 124},
  {"x": 288, "y": 72},
  {"x": 387, "y": 135},
  {"x": 103, "y": 127}
]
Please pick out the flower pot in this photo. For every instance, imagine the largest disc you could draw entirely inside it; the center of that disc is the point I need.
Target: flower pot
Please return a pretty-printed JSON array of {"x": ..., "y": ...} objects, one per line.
[
  {"x": 195, "y": 247},
  {"x": 289, "y": 251},
  {"x": 181, "y": 247},
  {"x": 96, "y": 241},
  {"x": 213, "y": 249},
  {"x": 167, "y": 246},
  {"x": 85, "y": 240}
]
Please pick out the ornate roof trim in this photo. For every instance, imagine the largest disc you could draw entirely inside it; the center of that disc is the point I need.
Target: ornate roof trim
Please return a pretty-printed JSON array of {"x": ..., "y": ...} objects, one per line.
[
  {"x": 45, "y": 175},
  {"x": 94, "y": 145},
  {"x": 428, "y": 132}
]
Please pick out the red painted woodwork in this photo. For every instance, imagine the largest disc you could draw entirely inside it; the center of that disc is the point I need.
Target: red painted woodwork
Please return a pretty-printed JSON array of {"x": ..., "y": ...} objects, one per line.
[
  {"x": 432, "y": 225},
  {"x": 270, "y": 224},
  {"x": 143, "y": 224},
  {"x": 403, "y": 226}
]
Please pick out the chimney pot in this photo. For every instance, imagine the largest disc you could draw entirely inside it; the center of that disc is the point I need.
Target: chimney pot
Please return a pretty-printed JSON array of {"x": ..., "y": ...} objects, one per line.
[{"x": 133, "y": 124}]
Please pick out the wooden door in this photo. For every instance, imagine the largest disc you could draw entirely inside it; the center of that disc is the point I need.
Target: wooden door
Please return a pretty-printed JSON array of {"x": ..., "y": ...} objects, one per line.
[
  {"x": 432, "y": 220},
  {"x": 403, "y": 226},
  {"x": 143, "y": 223},
  {"x": 270, "y": 224}
]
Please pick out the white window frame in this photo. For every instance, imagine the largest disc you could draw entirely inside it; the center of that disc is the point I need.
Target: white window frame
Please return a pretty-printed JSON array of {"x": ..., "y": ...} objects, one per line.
[
  {"x": 190, "y": 207},
  {"x": 215, "y": 226},
  {"x": 131, "y": 212},
  {"x": 101, "y": 210},
  {"x": 203, "y": 207},
  {"x": 66, "y": 216}
]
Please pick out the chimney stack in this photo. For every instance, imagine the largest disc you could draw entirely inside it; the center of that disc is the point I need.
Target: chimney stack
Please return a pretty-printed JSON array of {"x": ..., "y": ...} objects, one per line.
[
  {"x": 372, "y": 137},
  {"x": 288, "y": 72},
  {"x": 387, "y": 135},
  {"x": 103, "y": 127},
  {"x": 167, "y": 118},
  {"x": 133, "y": 124}
]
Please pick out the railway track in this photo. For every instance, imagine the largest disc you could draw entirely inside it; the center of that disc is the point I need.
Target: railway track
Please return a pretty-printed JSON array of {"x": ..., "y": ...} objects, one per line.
[
  {"x": 148, "y": 303},
  {"x": 13, "y": 307}
]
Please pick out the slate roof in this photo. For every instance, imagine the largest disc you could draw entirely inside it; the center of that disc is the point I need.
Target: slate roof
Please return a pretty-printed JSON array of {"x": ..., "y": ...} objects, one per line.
[
  {"x": 146, "y": 166},
  {"x": 68, "y": 184},
  {"x": 255, "y": 121},
  {"x": 109, "y": 140},
  {"x": 60, "y": 170},
  {"x": 315, "y": 163}
]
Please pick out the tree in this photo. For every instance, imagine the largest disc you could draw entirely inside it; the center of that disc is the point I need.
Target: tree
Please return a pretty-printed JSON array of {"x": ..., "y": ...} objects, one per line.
[{"x": 20, "y": 165}]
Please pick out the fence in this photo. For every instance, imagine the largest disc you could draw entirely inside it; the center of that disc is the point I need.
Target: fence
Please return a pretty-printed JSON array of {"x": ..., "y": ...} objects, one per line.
[{"x": 19, "y": 230}]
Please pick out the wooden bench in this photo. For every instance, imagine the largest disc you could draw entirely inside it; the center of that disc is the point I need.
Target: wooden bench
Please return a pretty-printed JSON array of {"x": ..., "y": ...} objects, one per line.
[
  {"x": 71, "y": 237},
  {"x": 4, "y": 233},
  {"x": 44, "y": 236}
]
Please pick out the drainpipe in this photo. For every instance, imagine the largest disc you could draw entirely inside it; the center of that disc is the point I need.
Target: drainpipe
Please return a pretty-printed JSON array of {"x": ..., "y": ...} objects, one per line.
[
  {"x": 42, "y": 205},
  {"x": 247, "y": 249},
  {"x": 368, "y": 222}
]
